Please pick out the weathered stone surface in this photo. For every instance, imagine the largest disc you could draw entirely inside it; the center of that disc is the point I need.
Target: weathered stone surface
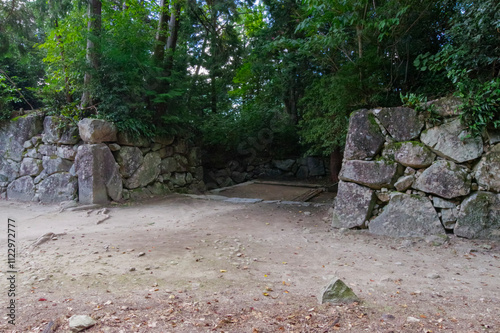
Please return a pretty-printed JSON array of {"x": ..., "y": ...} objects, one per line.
[
  {"x": 446, "y": 106},
  {"x": 316, "y": 166},
  {"x": 444, "y": 178},
  {"x": 30, "y": 167},
  {"x": 114, "y": 147},
  {"x": 166, "y": 140},
  {"x": 66, "y": 152},
  {"x": 441, "y": 203},
  {"x": 9, "y": 169},
  {"x": 70, "y": 135},
  {"x": 21, "y": 189},
  {"x": 450, "y": 141},
  {"x": 493, "y": 135},
  {"x": 182, "y": 163},
  {"x": 166, "y": 152},
  {"x": 402, "y": 123},
  {"x": 79, "y": 323},
  {"x": 302, "y": 172},
  {"x": 353, "y": 205},
  {"x": 407, "y": 216},
  {"x": 15, "y": 133},
  {"x": 53, "y": 164},
  {"x": 479, "y": 216},
  {"x": 59, "y": 130},
  {"x": 195, "y": 156},
  {"x": 487, "y": 171},
  {"x": 338, "y": 292},
  {"x": 129, "y": 159},
  {"x": 238, "y": 177},
  {"x": 374, "y": 174},
  {"x": 412, "y": 154},
  {"x": 404, "y": 183},
  {"x": 364, "y": 138},
  {"x": 285, "y": 165},
  {"x": 58, "y": 187},
  {"x": 449, "y": 218},
  {"x": 47, "y": 150},
  {"x": 28, "y": 144},
  {"x": 178, "y": 179},
  {"x": 158, "y": 189},
  {"x": 146, "y": 173},
  {"x": 168, "y": 165},
  {"x": 126, "y": 139},
  {"x": 33, "y": 153},
  {"x": 97, "y": 174},
  {"x": 181, "y": 146},
  {"x": 97, "y": 130}
]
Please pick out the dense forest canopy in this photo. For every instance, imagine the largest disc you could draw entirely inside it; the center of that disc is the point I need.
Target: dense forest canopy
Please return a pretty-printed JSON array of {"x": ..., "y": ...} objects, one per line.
[{"x": 285, "y": 72}]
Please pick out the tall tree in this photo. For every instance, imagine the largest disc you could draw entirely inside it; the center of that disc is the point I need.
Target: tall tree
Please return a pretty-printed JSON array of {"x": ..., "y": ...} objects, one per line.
[{"x": 93, "y": 49}]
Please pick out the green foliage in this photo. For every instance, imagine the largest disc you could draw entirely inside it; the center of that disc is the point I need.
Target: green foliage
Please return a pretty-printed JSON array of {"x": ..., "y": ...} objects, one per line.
[
  {"x": 419, "y": 103},
  {"x": 470, "y": 59},
  {"x": 8, "y": 95}
]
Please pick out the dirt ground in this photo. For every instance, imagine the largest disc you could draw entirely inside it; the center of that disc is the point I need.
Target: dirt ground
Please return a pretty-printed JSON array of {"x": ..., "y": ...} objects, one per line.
[{"x": 178, "y": 264}]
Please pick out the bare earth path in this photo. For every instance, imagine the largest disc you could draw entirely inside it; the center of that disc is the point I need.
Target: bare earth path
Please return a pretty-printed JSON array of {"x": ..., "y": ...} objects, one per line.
[{"x": 178, "y": 264}]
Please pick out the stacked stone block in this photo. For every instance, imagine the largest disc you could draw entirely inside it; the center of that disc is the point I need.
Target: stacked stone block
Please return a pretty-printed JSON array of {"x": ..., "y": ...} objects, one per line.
[{"x": 403, "y": 176}]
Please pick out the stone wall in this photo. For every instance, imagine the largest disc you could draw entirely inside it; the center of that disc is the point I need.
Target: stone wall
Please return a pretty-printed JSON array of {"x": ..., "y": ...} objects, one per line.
[
  {"x": 48, "y": 159},
  {"x": 239, "y": 171},
  {"x": 405, "y": 176}
]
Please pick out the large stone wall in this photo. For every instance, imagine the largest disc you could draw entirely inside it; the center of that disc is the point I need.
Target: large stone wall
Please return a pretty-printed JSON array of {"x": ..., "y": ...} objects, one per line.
[
  {"x": 404, "y": 176},
  {"x": 48, "y": 159}
]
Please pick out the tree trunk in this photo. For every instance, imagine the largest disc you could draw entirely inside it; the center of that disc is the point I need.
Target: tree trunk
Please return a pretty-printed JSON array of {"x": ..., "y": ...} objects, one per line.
[
  {"x": 94, "y": 30},
  {"x": 161, "y": 34},
  {"x": 173, "y": 27}
]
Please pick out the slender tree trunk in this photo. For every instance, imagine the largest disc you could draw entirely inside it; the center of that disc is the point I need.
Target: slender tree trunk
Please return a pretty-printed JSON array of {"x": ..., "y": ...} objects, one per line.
[
  {"x": 161, "y": 34},
  {"x": 173, "y": 27},
  {"x": 94, "y": 30}
]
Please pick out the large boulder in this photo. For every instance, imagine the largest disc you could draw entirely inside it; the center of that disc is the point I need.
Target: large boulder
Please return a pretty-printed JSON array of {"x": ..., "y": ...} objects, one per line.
[
  {"x": 411, "y": 154},
  {"x": 446, "y": 106},
  {"x": 53, "y": 164},
  {"x": 98, "y": 174},
  {"x": 451, "y": 141},
  {"x": 445, "y": 179},
  {"x": 168, "y": 165},
  {"x": 30, "y": 167},
  {"x": 15, "y": 133},
  {"x": 487, "y": 171},
  {"x": 364, "y": 138},
  {"x": 353, "y": 205},
  {"x": 66, "y": 152},
  {"x": 57, "y": 188},
  {"x": 129, "y": 159},
  {"x": 402, "y": 123},
  {"x": 146, "y": 173},
  {"x": 479, "y": 216},
  {"x": 97, "y": 130},
  {"x": 9, "y": 169},
  {"x": 21, "y": 189},
  {"x": 407, "y": 216},
  {"x": 374, "y": 174},
  {"x": 59, "y": 130}
]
